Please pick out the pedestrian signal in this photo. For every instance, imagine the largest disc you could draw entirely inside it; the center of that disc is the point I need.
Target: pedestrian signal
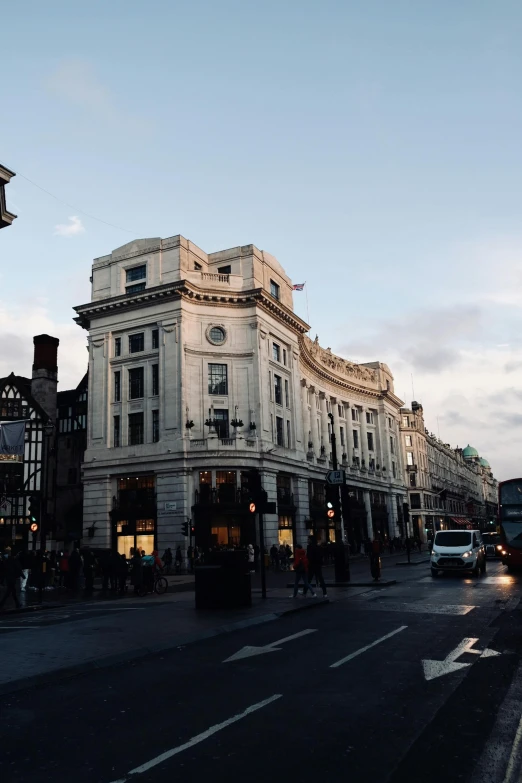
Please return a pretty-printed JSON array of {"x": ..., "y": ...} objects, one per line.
[{"x": 184, "y": 528}]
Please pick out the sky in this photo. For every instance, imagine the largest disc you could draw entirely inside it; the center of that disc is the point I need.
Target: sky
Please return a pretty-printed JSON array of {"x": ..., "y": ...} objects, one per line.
[{"x": 373, "y": 148}]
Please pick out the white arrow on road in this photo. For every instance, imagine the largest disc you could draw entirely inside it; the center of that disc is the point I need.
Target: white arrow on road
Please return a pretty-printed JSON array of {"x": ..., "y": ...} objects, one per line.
[
  {"x": 434, "y": 669},
  {"x": 248, "y": 652}
]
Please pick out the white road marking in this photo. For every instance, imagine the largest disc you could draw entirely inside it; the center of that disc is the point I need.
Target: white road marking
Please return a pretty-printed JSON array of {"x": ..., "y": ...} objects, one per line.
[
  {"x": 18, "y": 627},
  {"x": 198, "y": 738},
  {"x": 434, "y": 669},
  {"x": 513, "y": 757},
  {"x": 453, "y": 609},
  {"x": 368, "y": 647},
  {"x": 248, "y": 651}
]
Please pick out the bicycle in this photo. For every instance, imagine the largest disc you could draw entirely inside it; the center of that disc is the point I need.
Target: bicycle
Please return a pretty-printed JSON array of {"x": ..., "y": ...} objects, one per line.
[{"x": 159, "y": 586}]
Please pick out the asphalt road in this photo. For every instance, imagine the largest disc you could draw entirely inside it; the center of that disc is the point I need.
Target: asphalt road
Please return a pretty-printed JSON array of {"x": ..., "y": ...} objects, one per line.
[{"x": 415, "y": 682}]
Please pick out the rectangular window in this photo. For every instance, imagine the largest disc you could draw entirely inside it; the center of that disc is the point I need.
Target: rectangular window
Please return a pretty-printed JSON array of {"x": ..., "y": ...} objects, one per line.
[
  {"x": 369, "y": 417},
  {"x": 413, "y": 480},
  {"x": 221, "y": 418},
  {"x": 409, "y": 458},
  {"x": 136, "y": 273},
  {"x": 117, "y": 386},
  {"x": 288, "y": 442},
  {"x": 155, "y": 426},
  {"x": 407, "y": 440},
  {"x": 225, "y": 270},
  {"x": 71, "y": 476},
  {"x": 355, "y": 414},
  {"x": 356, "y": 439},
  {"x": 405, "y": 421},
  {"x": 340, "y": 411},
  {"x": 392, "y": 445},
  {"x": 155, "y": 380},
  {"x": 136, "y": 383},
  {"x": 135, "y": 429},
  {"x": 117, "y": 346},
  {"x": 276, "y": 352},
  {"x": 415, "y": 500},
  {"x": 136, "y": 342},
  {"x": 278, "y": 390},
  {"x": 116, "y": 431},
  {"x": 284, "y": 356},
  {"x": 217, "y": 379},
  {"x": 341, "y": 432},
  {"x": 155, "y": 338},
  {"x": 133, "y": 289},
  {"x": 369, "y": 435},
  {"x": 394, "y": 470},
  {"x": 279, "y": 431},
  {"x": 287, "y": 394},
  {"x": 274, "y": 289}
]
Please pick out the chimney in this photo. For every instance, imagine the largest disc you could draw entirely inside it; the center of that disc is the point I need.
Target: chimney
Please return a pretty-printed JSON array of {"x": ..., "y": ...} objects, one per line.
[{"x": 45, "y": 373}]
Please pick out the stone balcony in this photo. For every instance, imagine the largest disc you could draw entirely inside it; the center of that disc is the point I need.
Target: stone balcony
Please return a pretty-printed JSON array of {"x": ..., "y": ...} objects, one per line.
[{"x": 220, "y": 444}]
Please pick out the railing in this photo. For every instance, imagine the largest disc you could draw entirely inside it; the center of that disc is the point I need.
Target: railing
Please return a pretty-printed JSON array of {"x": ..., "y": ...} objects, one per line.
[
  {"x": 227, "y": 441},
  {"x": 215, "y": 278},
  {"x": 224, "y": 494}
]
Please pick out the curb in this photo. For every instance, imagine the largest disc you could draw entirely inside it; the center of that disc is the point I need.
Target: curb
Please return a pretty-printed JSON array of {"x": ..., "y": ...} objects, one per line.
[
  {"x": 36, "y": 608},
  {"x": 107, "y": 661},
  {"x": 418, "y": 562},
  {"x": 373, "y": 583}
]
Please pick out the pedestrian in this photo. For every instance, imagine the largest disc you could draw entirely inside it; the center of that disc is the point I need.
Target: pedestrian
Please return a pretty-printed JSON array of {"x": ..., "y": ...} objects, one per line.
[
  {"x": 289, "y": 554},
  {"x": 190, "y": 555},
  {"x": 283, "y": 558},
  {"x": 123, "y": 570},
  {"x": 375, "y": 559},
  {"x": 257, "y": 553},
  {"x": 64, "y": 570},
  {"x": 136, "y": 570},
  {"x": 301, "y": 571},
  {"x": 251, "y": 556},
  {"x": 88, "y": 571},
  {"x": 10, "y": 572},
  {"x": 274, "y": 557},
  {"x": 315, "y": 564},
  {"x": 167, "y": 559},
  {"x": 179, "y": 559}
]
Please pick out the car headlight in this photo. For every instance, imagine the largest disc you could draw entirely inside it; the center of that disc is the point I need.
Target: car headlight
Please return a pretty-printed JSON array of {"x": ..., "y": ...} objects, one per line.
[
  {"x": 499, "y": 547},
  {"x": 467, "y": 554}
]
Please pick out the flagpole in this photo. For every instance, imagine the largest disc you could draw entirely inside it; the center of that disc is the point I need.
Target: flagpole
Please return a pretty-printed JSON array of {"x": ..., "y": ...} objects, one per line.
[{"x": 307, "y": 311}]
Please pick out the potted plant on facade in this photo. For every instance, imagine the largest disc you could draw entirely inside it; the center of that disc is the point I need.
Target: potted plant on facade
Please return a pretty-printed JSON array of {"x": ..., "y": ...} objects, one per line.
[
  {"x": 344, "y": 458},
  {"x": 252, "y": 426},
  {"x": 237, "y": 423},
  {"x": 211, "y": 424},
  {"x": 189, "y": 424}
]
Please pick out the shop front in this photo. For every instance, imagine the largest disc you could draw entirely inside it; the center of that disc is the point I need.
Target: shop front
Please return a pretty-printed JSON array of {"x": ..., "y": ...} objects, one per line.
[
  {"x": 220, "y": 511},
  {"x": 134, "y": 515}
]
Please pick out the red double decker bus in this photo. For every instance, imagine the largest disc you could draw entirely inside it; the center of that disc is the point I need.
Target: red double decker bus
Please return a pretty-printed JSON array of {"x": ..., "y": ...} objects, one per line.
[{"x": 510, "y": 520}]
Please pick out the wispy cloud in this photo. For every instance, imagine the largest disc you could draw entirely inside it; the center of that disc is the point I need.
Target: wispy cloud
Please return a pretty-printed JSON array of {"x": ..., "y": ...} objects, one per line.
[{"x": 70, "y": 229}]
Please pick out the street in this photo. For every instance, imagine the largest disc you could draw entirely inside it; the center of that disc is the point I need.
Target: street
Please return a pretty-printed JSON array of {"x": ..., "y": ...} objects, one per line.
[{"x": 383, "y": 684}]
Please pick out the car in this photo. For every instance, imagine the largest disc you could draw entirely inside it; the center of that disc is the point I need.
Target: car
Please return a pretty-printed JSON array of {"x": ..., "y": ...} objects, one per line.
[
  {"x": 492, "y": 544},
  {"x": 458, "y": 550}
]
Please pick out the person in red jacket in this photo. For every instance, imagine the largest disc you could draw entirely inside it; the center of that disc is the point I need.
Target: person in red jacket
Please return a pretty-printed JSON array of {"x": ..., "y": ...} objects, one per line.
[{"x": 301, "y": 571}]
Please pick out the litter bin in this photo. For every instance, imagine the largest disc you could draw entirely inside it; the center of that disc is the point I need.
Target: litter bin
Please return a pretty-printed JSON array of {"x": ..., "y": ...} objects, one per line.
[{"x": 224, "y": 581}]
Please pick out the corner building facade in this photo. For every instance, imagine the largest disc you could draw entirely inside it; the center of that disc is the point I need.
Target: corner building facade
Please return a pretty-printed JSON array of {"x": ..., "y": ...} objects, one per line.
[{"x": 199, "y": 370}]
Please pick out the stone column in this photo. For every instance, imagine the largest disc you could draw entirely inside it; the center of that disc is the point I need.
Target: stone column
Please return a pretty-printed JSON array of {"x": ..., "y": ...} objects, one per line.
[
  {"x": 364, "y": 438},
  {"x": 325, "y": 441},
  {"x": 316, "y": 440},
  {"x": 368, "y": 507},
  {"x": 97, "y": 504},
  {"x": 271, "y": 521},
  {"x": 393, "y": 522},
  {"x": 337, "y": 431},
  {"x": 307, "y": 435},
  {"x": 302, "y": 502}
]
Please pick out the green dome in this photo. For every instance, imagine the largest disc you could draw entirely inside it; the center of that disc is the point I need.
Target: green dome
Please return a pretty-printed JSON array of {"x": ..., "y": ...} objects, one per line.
[
  {"x": 484, "y": 463},
  {"x": 469, "y": 452}
]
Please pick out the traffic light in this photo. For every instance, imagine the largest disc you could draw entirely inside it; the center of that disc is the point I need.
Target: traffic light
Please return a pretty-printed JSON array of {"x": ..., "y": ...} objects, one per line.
[
  {"x": 332, "y": 502},
  {"x": 184, "y": 528},
  {"x": 34, "y": 510},
  {"x": 193, "y": 530},
  {"x": 256, "y": 495}
]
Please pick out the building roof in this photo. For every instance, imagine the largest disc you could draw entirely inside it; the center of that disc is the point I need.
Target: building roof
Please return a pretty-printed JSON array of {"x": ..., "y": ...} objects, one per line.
[
  {"x": 469, "y": 452},
  {"x": 484, "y": 463}
]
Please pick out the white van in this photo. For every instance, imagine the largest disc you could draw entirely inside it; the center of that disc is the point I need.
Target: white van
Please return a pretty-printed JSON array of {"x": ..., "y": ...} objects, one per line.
[{"x": 458, "y": 550}]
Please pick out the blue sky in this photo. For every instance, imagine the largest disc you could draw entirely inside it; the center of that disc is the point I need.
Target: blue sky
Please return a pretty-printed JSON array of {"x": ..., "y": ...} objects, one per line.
[{"x": 373, "y": 148}]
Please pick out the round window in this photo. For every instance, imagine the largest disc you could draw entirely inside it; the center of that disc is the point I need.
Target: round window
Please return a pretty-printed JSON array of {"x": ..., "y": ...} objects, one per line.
[{"x": 217, "y": 335}]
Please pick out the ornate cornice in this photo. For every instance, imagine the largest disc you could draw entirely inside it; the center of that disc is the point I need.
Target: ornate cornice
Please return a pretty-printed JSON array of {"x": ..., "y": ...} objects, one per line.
[{"x": 184, "y": 289}]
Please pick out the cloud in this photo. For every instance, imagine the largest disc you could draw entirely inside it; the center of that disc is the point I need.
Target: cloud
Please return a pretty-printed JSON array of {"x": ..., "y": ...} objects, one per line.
[
  {"x": 19, "y": 324},
  {"x": 71, "y": 229},
  {"x": 76, "y": 82},
  {"x": 512, "y": 366}
]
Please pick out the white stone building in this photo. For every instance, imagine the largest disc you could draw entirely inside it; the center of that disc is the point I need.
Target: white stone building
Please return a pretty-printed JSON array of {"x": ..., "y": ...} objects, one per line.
[
  {"x": 447, "y": 487},
  {"x": 200, "y": 370}
]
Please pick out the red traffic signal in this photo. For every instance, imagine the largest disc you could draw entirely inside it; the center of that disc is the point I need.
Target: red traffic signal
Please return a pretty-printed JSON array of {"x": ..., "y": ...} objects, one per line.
[
  {"x": 34, "y": 527},
  {"x": 252, "y": 508}
]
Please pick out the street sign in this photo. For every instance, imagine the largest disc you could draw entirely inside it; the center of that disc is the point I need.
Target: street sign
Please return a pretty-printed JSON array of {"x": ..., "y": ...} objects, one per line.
[
  {"x": 336, "y": 477},
  {"x": 170, "y": 505},
  {"x": 5, "y": 505}
]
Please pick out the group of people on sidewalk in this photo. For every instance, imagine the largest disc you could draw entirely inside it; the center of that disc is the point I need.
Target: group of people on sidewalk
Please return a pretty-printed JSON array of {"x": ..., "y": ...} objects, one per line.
[{"x": 308, "y": 565}]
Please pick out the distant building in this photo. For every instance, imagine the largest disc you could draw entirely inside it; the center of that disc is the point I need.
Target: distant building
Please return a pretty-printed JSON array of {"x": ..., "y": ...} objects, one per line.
[
  {"x": 53, "y": 451},
  {"x": 200, "y": 370},
  {"x": 447, "y": 487},
  {"x": 6, "y": 217}
]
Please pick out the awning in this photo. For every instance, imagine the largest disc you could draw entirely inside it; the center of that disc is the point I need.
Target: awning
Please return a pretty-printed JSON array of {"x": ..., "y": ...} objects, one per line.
[{"x": 460, "y": 521}]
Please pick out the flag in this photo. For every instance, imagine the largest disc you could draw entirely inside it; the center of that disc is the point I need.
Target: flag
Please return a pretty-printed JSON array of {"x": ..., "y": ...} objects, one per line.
[
  {"x": 12, "y": 437},
  {"x": 299, "y": 286}
]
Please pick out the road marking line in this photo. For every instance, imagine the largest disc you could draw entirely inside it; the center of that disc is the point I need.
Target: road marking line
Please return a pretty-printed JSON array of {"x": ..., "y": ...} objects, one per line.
[
  {"x": 199, "y": 738},
  {"x": 18, "y": 627},
  {"x": 513, "y": 757},
  {"x": 249, "y": 651},
  {"x": 368, "y": 647}
]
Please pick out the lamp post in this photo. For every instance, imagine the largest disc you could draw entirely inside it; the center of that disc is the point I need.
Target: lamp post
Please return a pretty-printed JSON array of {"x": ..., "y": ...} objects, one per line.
[{"x": 48, "y": 432}]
